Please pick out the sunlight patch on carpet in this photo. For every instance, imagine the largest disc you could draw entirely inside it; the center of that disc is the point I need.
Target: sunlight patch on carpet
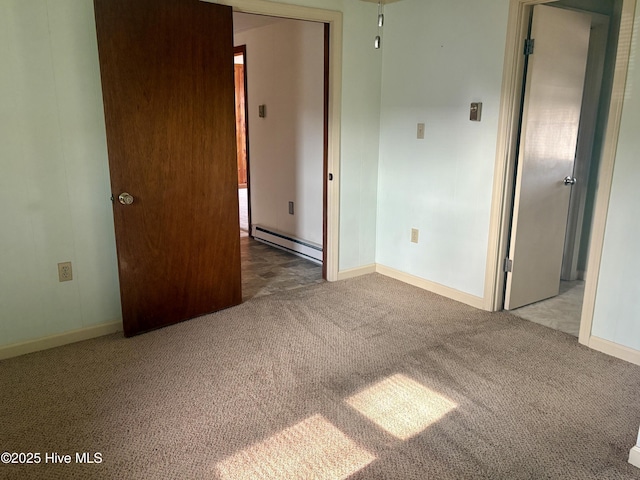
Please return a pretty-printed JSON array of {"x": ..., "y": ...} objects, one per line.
[
  {"x": 401, "y": 406},
  {"x": 313, "y": 448}
]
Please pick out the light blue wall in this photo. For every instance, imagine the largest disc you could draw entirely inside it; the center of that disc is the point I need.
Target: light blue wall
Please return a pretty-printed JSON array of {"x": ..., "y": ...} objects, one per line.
[
  {"x": 439, "y": 56},
  {"x": 361, "y": 69},
  {"x": 54, "y": 186},
  {"x": 617, "y": 309}
]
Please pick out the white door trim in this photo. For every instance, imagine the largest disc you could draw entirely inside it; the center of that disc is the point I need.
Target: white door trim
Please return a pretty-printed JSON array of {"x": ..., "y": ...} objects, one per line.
[
  {"x": 505, "y": 158},
  {"x": 605, "y": 176},
  {"x": 334, "y": 19},
  {"x": 634, "y": 455}
]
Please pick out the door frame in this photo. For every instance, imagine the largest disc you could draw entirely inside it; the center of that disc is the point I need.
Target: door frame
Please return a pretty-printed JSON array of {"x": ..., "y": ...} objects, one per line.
[
  {"x": 242, "y": 50},
  {"x": 334, "y": 20},
  {"x": 503, "y": 188},
  {"x": 600, "y": 28}
]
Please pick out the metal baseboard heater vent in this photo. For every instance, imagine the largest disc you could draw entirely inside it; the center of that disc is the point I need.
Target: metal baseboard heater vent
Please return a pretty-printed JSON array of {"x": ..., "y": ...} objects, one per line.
[{"x": 302, "y": 248}]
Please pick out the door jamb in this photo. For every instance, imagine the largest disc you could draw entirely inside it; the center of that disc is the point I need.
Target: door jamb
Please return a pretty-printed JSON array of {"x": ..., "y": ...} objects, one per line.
[
  {"x": 600, "y": 24},
  {"x": 505, "y": 159},
  {"x": 242, "y": 50},
  {"x": 334, "y": 19},
  {"x": 325, "y": 142}
]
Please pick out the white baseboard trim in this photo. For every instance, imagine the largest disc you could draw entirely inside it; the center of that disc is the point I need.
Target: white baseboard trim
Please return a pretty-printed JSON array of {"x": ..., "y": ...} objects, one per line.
[
  {"x": 60, "y": 339},
  {"x": 289, "y": 243},
  {"x": 614, "y": 349},
  {"x": 437, "y": 288},
  {"x": 634, "y": 456},
  {"x": 356, "y": 272}
]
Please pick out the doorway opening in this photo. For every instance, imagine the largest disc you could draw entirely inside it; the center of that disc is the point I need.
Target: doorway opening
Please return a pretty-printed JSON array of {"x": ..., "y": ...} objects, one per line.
[
  {"x": 555, "y": 297},
  {"x": 240, "y": 83},
  {"x": 281, "y": 107}
]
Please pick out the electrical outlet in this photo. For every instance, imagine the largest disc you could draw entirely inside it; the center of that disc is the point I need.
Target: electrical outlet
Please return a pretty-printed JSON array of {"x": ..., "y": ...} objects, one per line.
[
  {"x": 420, "y": 135},
  {"x": 290, "y": 208},
  {"x": 414, "y": 235},
  {"x": 65, "y": 274}
]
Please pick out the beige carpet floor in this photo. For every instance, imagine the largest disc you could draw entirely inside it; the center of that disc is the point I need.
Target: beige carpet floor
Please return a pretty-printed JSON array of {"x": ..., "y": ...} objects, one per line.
[{"x": 364, "y": 379}]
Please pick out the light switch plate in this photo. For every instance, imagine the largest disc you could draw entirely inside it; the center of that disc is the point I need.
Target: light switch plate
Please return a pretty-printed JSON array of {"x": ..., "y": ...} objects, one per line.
[{"x": 421, "y": 131}]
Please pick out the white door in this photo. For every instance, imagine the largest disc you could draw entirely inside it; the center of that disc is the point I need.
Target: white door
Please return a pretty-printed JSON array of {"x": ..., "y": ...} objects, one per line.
[{"x": 551, "y": 116}]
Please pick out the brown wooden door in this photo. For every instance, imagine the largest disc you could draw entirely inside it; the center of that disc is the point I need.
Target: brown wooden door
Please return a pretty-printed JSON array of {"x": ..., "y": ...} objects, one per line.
[{"x": 168, "y": 89}]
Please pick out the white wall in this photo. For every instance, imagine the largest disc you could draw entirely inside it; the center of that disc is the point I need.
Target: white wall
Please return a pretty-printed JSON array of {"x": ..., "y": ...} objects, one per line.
[
  {"x": 54, "y": 185},
  {"x": 360, "y": 129},
  {"x": 439, "y": 56},
  {"x": 285, "y": 67},
  {"x": 617, "y": 309}
]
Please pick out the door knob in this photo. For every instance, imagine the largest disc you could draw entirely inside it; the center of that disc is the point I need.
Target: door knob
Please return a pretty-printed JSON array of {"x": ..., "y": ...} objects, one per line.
[
  {"x": 569, "y": 180},
  {"x": 125, "y": 199}
]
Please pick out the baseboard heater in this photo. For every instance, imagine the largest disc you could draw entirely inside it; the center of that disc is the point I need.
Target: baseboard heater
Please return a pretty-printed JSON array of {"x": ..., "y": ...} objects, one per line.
[{"x": 302, "y": 248}]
